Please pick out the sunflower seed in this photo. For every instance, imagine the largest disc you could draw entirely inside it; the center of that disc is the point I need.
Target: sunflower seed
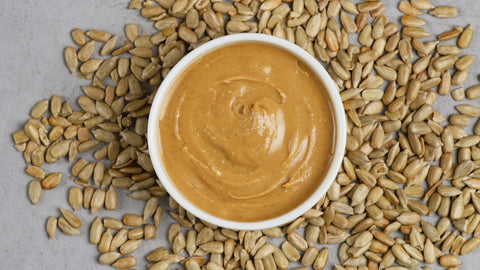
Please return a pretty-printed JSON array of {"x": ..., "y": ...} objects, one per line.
[
  {"x": 106, "y": 67},
  {"x": 119, "y": 239},
  {"x": 212, "y": 247},
  {"x": 98, "y": 200},
  {"x": 96, "y": 229},
  {"x": 465, "y": 37},
  {"x": 265, "y": 251},
  {"x": 321, "y": 260},
  {"x": 449, "y": 261},
  {"x": 150, "y": 232},
  {"x": 98, "y": 35},
  {"x": 51, "y": 226},
  {"x": 71, "y": 218},
  {"x": 111, "y": 199},
  {"x": 178, "y": 243},
  {"x": 34, "y": 191},
  {"x": 157, "y": 254},
  {"x": 470, "y": 245},
  {"x": 409, "y": 218},
  {"x": 132, "y": 220},
  {"x": 90, "y": 66},
  {"x": 130, "y": 246},
  {"x": 444, "y": 11},
  {"x": 310, "y": 256},
  {"x": 150, "y": 208},
  {"x": 52, "y": 180},
  {"x": 109, "y": 258},
  {"x": 464, "y": 62},
  {"x": 66, "y": 227},
  {"x": 125, "y": 262},
  {"x": 75, "y": 198},
  {"x": 473, "y": 92},
  {"x": 297, "y": 240},
  {"x": 457, "y": 208},
  {"x": 78, "y": 37},
  {"x": 291, "y": 253},
  {"x": 71, "y": 60},
  {"x": 86, "y": 51}
]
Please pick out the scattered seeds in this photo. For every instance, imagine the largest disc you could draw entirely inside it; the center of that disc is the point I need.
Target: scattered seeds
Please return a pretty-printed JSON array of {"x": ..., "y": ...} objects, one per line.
[{"x": 393, "y": 135}]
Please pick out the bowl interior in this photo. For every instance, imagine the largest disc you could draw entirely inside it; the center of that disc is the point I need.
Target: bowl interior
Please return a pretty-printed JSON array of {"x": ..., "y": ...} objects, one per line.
[{"x": 339, "y": 120}]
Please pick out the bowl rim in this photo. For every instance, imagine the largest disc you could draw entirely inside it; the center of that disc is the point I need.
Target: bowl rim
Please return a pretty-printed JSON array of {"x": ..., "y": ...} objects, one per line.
[{"x": 339, "y": 119}]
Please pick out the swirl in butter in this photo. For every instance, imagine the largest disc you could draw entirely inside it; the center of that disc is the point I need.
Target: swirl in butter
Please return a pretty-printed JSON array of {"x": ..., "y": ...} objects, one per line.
[{"x": 247, "y": 132}]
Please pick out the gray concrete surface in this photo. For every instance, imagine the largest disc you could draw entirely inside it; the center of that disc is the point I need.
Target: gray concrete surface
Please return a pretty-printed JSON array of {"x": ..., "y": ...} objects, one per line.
[{"x": 33, "y": 35}]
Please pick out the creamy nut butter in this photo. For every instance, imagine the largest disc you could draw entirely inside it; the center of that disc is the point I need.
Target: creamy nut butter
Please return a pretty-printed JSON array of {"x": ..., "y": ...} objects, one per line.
[{"x": 247, "y": 132}]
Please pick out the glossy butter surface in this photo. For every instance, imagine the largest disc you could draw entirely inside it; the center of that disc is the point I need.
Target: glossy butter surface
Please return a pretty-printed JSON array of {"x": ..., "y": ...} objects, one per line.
[{"x": 247, "y": 132}]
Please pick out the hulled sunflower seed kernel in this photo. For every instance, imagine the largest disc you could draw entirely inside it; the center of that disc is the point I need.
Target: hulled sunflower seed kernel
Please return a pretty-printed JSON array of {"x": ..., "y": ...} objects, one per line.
[
  {"x": 109, "y": 258},
  {"x": 132, "y": 220},
  {"x": 98, "y": 200},
  {"x": 449, "y": 261},
  {"x": 96, "y": 230},
  {"x": 52, "y": 180},
  {"x": 71, "y": 58},
  {"x": 125, "y": 262},
  {"x": 34, "y": 191},
  {"x": 51, "y": 226},
  {"x": 444, "y": 11},
  {"x": 98, "y": 35},
  {"x": 66, "y": 227},
  {"x": 111, "y": 199},
  {"x": 78, "y": 37},
  {"x": 71, "y": 218},
  {"x": 75, "y": 198}
]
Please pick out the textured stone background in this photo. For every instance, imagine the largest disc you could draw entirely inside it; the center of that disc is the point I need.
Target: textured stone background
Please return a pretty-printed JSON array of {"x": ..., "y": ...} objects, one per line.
[{"x": 33, "y": 35}]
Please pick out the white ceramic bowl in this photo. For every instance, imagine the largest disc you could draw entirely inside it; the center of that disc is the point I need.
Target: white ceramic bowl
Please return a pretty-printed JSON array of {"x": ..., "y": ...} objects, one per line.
[{"x": 340, "y": 132}]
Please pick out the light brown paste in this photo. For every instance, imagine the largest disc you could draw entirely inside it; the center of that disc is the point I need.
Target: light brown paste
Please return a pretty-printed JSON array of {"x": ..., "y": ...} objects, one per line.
[{"x": 247, "y": 132}]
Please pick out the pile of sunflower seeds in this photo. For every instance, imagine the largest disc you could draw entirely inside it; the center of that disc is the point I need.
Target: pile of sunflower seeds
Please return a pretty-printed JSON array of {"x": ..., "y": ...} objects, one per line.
[{"x": 404, "y": 160}]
